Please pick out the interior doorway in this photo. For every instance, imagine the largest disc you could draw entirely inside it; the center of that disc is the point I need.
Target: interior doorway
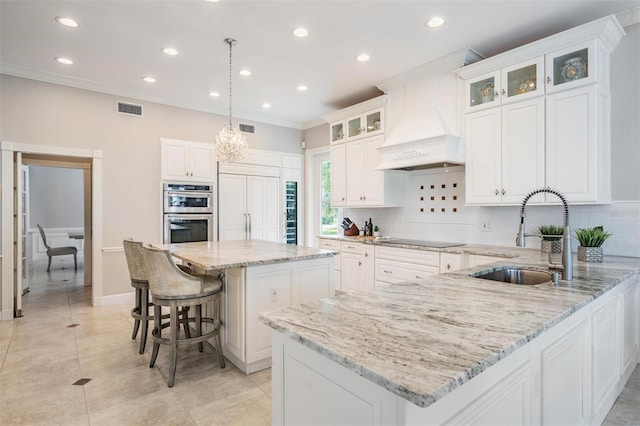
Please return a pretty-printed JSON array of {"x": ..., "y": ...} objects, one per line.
[{"x": 54, "y": 192}]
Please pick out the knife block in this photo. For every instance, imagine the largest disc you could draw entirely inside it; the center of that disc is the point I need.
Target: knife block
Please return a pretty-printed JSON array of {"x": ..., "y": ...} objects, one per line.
[{"x": 353, "y": 231}]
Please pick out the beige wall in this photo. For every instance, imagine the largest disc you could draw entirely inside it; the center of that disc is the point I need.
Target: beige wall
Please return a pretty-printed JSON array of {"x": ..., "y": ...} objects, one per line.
[
  {"x": 316, "y": 137},
  {"x": 33, "y": 112}
]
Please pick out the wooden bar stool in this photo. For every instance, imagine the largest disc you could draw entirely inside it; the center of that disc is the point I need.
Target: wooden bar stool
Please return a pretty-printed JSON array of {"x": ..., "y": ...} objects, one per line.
[{"x": 172, "y": 287}]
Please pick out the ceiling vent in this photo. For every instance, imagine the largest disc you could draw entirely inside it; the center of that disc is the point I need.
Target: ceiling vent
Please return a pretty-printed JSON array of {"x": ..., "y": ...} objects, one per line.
[
  {"x": 131, "y": 109},
  {"x": 247, "y": 128}
]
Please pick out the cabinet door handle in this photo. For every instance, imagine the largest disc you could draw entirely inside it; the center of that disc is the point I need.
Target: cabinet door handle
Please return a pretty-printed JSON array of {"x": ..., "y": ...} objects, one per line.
[
  {"x": 503, "y": 92},
  {"x": 351, "y": 247},
  {"x": 548, "y": 80},
  {"x": 245, "y": 226},
  {"x": 419, "y": 277},
  {"x": 249, "y": 225},
  {"x": 388, "y": 272}
]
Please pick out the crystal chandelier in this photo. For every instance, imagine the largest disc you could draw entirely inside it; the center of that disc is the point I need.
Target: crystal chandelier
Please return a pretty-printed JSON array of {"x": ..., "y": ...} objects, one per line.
[{"x": 231, "y": 146}]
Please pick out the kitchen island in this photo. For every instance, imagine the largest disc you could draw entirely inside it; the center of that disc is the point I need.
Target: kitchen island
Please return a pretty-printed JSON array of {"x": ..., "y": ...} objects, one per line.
[
  {"x": 258, "y": 276},
  {"x": 452, "y": 348}
]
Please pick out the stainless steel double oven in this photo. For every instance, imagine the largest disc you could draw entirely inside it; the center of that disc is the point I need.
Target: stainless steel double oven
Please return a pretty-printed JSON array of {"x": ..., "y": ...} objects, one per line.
[{"x": 188, "y": 212}]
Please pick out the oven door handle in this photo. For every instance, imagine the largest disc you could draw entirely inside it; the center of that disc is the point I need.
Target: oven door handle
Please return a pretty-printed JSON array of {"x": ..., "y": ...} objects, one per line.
[
  {"x": 188, "y": 217},
  {"x": 190, "y": 194}
]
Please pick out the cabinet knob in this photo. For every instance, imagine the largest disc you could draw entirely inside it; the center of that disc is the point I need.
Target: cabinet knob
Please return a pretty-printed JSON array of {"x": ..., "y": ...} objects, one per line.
[
  {"x": 496, "y": 93},
  {"x": 342, "y": 198},
  {"x": 366, "y": 255},
  {"x": 503, "y": 192},
  {"x": 503, "y": 92},
  {"x": 359, "y": 263},
  {"x": 448, "y": 266},
  {"x": 548, "y": 80},
  {"x": 497, "y": 192},
  {"x": 364, "y": 197}
]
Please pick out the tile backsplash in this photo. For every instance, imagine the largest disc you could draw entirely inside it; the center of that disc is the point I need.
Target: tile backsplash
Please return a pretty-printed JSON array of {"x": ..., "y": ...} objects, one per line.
[{"x": 493, "y": 225}]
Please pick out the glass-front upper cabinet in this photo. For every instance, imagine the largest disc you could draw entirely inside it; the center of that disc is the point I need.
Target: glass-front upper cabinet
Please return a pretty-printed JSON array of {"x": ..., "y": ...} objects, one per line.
[
  {"x": 337, "y": 134},
  {"x": 482, "y": 92},
  {"x": 523, "y": 80},
  {"x": 571, "y": 67},
  {"x": 367, "y": 124},
  {"x": 510, "y": 84}
]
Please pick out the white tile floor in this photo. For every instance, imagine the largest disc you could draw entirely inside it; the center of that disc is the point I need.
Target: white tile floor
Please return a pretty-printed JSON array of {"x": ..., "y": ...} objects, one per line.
[{"x": 41, "y": 357}]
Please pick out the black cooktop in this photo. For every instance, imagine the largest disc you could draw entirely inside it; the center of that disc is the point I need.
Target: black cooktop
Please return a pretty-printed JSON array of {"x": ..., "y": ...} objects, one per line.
[{"x": 422, "y": 243}]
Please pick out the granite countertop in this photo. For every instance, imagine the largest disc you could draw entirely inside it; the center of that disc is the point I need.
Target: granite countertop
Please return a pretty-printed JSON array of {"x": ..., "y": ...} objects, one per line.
[
  {"x": 422, "y": 339},
  {"x": 210, "y": 255},
  {"x": 481, "y": 249}
]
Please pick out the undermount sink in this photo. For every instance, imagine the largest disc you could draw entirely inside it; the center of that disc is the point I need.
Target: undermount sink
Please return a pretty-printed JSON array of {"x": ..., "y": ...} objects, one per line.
[{"x": 517, "y": 276}]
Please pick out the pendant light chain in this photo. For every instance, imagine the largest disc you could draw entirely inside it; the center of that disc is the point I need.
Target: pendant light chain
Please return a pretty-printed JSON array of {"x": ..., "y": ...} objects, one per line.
[{"x": 230, "y": 42}]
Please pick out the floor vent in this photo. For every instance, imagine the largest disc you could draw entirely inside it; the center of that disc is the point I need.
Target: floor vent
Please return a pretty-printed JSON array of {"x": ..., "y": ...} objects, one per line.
[
  {"x": 132, "y": 109},
  {"x": 247, "y": 128}
]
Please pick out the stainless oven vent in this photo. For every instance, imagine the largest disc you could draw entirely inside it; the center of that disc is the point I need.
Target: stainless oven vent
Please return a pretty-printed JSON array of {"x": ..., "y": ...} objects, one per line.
[
  {"x": 247, "y": 128},
  {"x": 132, "y": 109}
]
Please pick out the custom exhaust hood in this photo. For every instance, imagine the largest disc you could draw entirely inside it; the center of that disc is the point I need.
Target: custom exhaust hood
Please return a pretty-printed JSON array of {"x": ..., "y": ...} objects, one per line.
[{"x": 423, "y": 115}]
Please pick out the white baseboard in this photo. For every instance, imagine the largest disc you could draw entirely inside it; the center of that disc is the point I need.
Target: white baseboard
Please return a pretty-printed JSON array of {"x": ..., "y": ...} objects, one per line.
[
  {"x": 6, "y": 315},
  {"x": 115, "y": 299}
]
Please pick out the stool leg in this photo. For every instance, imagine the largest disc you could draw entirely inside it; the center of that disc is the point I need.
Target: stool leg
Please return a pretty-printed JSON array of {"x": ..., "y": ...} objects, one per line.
[
  {"x": 173, "y": 358},
  {"x": 185, "y": 321},
  {"x": 199, "y": 326},
  {"x": 75, "y": 261},
  {"x": 136, "y": 309},
  {"x": 144, "y": 314},
  {"x": 216, "y": 324},
  {"x": 157, "y": 330}
]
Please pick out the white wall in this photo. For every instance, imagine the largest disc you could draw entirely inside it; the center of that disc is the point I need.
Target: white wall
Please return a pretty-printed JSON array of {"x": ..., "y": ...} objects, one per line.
[
  {"x": 56, "y": 197},
  {"x": 33, "y": 112}
]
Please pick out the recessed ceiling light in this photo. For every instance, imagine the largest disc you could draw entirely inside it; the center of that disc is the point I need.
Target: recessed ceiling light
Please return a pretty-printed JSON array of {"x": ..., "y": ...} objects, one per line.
[
  {"x": 363, "y": 57},
  {"x": 214, "y": 94},
  {"x": 67, "y": 22},
  {"x": 435, "y": 22},
  {"x": 149, "y": 79},
  {"x": 170, "y": 51},
  {"x": 300, "y": 32},
  {"x": 245, "y": 72},
  {"x": 65, "y": 61},
  {"x": 302, "y": 88},
  {"x": 266, "y": 105},
  {"x": 212, "y": 1}
]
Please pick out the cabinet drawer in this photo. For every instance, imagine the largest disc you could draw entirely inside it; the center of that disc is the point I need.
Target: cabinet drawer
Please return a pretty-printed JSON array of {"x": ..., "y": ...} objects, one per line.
[
  {"x": 392, "y": 271},
  {"x": 420, "y": 257},
  {"x": 329, "y": 244},
  {"x": 349, "y": 247},
  {"x": 450, "y": 262}
]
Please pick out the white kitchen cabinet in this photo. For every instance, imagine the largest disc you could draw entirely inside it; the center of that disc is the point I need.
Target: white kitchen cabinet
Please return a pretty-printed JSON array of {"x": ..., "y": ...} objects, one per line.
[
  {"x": 338, "y": 158},
  {"x": 578, "y": 144},
  {"x": 332, "y": 244},
  {"x": 576, "y": 113},
  {"x": 366, "y": 124},
  {"x": 249, "y": 208},
  {"x": 396, "y": 265},
  {"x": 337, "y": 132},
  {"x": 187, "y": 161},
  {"x": 573, "y": 66},
  {"x": 450, "y": 262},
  {"x": 513, "y": 83},
  {"x": 505, "y": 152},
  {"x": 254, "y": 289},
  {"x": 357, "y": 266},
  {"x": 366, "y": 186}
]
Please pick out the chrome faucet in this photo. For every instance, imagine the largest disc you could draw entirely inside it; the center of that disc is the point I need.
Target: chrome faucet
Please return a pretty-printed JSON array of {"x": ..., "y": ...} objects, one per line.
[{"x": 567, "y": 259}]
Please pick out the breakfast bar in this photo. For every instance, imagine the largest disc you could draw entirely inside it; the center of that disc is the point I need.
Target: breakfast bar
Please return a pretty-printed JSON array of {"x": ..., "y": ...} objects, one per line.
[
  {"x": 258, "y": 276},
  {"x": 455, "y": 348}
]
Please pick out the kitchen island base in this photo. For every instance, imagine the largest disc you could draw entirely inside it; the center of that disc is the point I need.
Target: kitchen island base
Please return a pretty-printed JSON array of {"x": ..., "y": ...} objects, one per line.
[
  {"x": 570, "y": 374},
  {"x": 246, "y": 342}
]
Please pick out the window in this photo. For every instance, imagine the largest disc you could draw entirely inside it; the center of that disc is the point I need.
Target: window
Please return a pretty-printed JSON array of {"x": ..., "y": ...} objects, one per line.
[{"x": 328, "y": 214}]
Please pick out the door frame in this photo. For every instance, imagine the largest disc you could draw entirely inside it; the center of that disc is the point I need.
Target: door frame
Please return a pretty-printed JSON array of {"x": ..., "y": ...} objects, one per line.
[
  {"x": 311, "y": 199},
  {"x": 7, "y": 169}
]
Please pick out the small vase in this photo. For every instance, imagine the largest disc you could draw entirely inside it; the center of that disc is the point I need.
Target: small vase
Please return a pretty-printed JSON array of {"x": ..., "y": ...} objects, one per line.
[
  {"x": 590, "y": 254},
  {"x": 551, "y": 246}
]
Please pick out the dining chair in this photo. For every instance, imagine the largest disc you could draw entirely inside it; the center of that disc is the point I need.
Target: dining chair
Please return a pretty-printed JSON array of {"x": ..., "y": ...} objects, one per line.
[
  {"x": 58, "y": 251},
  {"x": 173, "y": 288}
]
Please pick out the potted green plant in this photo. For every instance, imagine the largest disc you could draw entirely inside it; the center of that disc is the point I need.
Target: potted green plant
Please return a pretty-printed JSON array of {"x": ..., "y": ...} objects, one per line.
[
  {"x": 376, "y": 231},
  {"x": 551, "y": 236},
  {"x": 591, "y": 240}
]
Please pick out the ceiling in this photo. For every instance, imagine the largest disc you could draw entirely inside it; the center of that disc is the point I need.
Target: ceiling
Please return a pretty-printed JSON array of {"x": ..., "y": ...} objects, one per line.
[{"x": 117, "y": 42}]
